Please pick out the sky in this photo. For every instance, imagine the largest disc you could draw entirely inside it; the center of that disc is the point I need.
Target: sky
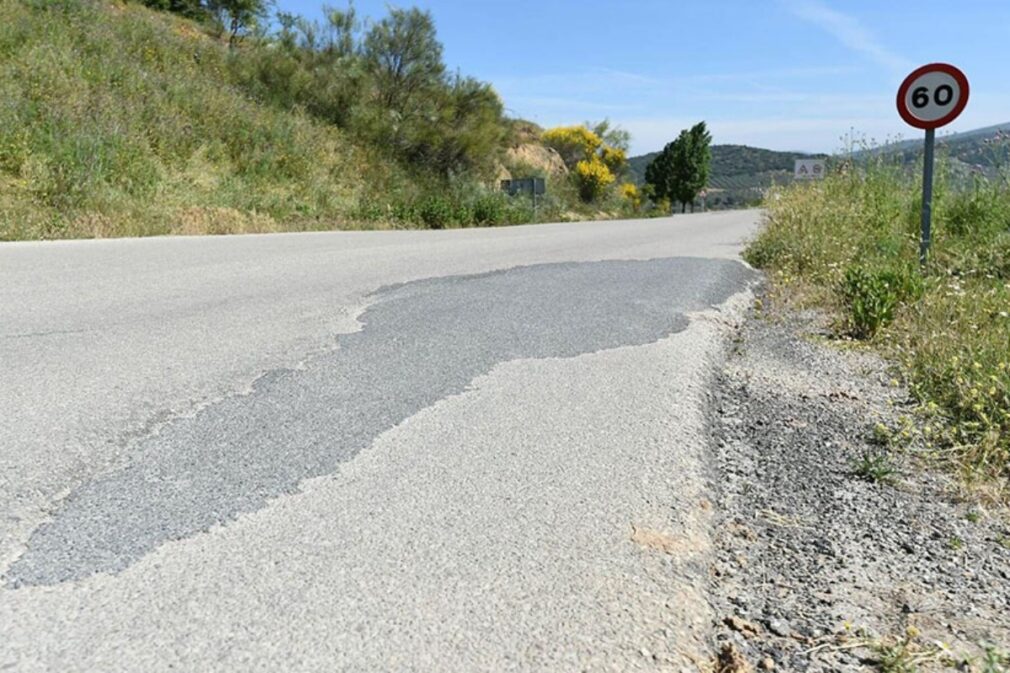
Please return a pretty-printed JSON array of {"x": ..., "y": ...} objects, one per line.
[{"x": 804, "y": 75}]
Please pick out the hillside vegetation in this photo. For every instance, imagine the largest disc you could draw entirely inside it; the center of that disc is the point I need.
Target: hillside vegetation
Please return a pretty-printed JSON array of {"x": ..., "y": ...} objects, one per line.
[
  {"x": 120, "y": 120},
  {"x": 850, "y": 243},
  {"x": 739, "y": 174}
]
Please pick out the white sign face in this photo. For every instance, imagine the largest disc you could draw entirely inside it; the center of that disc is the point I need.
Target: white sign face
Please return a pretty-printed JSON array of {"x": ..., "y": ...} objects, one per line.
[
  {"x": 932, "y": 96},
  {"x": 808, "y": 169}
]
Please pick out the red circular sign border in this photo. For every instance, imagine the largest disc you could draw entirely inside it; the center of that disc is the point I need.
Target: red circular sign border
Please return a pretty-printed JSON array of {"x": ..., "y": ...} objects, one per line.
[{"x": 962, "y": 102}]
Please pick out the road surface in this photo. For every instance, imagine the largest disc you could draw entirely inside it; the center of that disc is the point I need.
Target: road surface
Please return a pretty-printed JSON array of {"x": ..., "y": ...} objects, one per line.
[{"x": 455, "y": 450}]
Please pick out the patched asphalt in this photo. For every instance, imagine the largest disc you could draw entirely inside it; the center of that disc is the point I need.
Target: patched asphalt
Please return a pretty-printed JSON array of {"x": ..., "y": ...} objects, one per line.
[{"x": 420, "y": 342}]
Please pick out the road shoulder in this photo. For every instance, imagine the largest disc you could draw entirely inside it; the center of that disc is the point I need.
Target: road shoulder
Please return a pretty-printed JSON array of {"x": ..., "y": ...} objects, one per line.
[{"x": 817, "y": 566}]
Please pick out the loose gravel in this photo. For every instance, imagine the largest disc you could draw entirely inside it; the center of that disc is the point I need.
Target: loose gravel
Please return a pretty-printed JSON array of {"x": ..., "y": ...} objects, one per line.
[{"x": 816, "y": 567}]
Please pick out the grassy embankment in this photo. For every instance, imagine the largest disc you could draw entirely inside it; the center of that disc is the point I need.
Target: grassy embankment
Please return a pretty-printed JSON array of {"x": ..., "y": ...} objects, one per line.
[
  {"x": 116, "y": 120},
  {"x": 850, "y": 243},
  {"x": 123, "y": 121}
]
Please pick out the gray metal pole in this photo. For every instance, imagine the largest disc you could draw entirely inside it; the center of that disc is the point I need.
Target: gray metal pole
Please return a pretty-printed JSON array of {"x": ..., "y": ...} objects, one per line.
[{"x": 927, "y": 197}]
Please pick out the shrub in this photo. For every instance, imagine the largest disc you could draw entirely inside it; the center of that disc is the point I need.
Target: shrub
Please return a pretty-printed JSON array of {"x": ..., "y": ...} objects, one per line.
[
  {"x": 593, "y": 178},
  {"x": 632, "y": 196},
  {"x": 872, "y": 296},
  {"x": 573, "y": 143},
  {"x": 488, "y": 210},
  {"x": 436, "y": 212},
  {"x": 614, "y": 159}
]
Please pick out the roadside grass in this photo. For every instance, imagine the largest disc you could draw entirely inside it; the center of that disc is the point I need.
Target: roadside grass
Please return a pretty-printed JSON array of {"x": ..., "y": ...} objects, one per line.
[
  {"x": 849, "y": 244},
  {"x": 117, "y": 120}
]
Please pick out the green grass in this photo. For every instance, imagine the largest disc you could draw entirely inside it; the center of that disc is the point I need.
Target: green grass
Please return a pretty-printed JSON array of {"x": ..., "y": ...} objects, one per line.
[
  {"x": 117, "y": 120},
  {"x": 849, "y": 244}
]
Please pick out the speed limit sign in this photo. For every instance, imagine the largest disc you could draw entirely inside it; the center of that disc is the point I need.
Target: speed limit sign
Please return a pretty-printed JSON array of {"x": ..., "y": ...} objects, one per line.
[{"x": 931, "y": 97}]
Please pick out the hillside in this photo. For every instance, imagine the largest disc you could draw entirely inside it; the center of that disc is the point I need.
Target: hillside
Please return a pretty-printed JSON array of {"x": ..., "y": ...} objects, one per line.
[
  {"x": 984, "y": 150},
  {"x": 117, "y": 120},
  {"x": 739, "y": 173},
  {"x": 121, "y": 120}
]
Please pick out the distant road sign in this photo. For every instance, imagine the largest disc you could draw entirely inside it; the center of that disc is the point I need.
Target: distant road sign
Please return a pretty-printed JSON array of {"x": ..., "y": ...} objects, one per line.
[
  {"x": 808, "y": 169},
  {"x": 536, "y": 186},
  {"x": 932, "y": 96}
]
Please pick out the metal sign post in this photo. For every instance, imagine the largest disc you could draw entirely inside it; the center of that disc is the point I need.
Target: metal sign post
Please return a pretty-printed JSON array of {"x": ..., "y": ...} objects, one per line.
[
  {"x": 931, "y": 97},
  {"x": 927, "y": 197},
  {"x": 535, "y": 186}
]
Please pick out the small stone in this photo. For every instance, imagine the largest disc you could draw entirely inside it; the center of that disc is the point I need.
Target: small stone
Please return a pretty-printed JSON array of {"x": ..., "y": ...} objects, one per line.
[
  {"x": 779, "y": 628},
  {"x": 767, "y": 664},
  {"x": 741, "y": 625}
]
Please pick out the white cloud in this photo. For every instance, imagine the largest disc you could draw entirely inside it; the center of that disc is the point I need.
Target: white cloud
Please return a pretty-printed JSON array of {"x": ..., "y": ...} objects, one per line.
[{"x": 850, "y": 32}]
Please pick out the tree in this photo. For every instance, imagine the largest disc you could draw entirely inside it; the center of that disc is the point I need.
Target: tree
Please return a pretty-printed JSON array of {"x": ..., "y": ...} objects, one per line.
[
  {"x": 238, "y": 17},
  {"x": 404, "y": 56},
  {"x": 659, "y": 175},
  {"x": 694, "y": 171},
  {"x": 682, "y": 169}
]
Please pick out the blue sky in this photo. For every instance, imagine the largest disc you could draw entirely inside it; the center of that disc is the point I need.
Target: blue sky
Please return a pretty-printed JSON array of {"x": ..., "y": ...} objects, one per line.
[{"x": 783, "y": 74}]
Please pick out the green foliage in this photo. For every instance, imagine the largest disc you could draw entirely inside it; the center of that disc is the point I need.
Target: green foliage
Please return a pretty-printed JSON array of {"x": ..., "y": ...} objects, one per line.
[
  {"x": 873, "y": 295},
  {"x": 388, "y": 88},
  {"x": 124, "y": 121},
  {"x": 876, "y": 468},
  {"x": 852, "y": 239},
  {"x": 193, "y": 9},
  {"x": 238, "y": 17},
  {"x": 681, "y": 170},
  {"x": 128, "y": 122},
  {"x": 739, "y": 174},
  {"x": 404, "y": 56}
]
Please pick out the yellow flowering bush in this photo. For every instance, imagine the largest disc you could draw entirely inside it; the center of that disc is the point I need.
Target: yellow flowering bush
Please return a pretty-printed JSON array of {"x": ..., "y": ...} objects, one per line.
[
  {"x": 593, "y": 178},
  {"x": 573, "y": 143},
  {"x": 632, "y": 195},
  {"x": 615, "y": 159}
]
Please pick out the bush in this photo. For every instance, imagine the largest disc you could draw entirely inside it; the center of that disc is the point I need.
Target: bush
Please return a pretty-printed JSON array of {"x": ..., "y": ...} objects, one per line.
[
  {"x": 573, "y": 143},
  {"x": 632, "y": 196},
  {"x": 436, "y": 212},
  {"x": 593, "y": 177},
  {"x": 873, "y": 296},
  {"x": 488, "y": 210}
]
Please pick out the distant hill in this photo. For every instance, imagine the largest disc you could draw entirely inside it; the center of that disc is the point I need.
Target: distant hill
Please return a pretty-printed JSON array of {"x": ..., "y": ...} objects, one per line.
[
  {"x": 739, "y": 173},
  {"x": 968, "y": 152}
]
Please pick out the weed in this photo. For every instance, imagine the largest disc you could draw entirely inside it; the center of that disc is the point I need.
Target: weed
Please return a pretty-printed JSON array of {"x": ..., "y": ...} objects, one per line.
[
  {"x": 995, "y": 660},
  {"x": 876, "y": 468}
]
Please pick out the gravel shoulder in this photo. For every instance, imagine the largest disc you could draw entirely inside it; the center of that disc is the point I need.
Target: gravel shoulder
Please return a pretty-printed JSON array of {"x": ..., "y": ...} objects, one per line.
[{"x": 817, "y": 568}]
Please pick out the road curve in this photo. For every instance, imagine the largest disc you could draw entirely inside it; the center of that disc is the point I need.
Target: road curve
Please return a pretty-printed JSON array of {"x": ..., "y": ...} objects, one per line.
[{"x": 472, "y": 449}]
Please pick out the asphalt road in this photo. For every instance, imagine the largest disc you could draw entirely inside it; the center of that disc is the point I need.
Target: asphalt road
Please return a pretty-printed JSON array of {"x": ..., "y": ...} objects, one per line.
[{"x": 460, "y": 450}]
